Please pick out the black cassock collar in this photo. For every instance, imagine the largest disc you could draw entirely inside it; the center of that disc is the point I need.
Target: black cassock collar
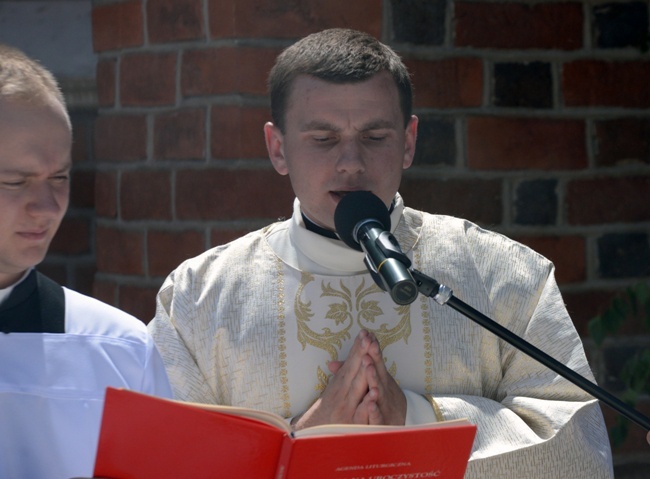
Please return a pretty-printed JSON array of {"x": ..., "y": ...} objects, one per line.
[
  {"x": 36, "y": 305},
  {"x": 314, "y": 228}
]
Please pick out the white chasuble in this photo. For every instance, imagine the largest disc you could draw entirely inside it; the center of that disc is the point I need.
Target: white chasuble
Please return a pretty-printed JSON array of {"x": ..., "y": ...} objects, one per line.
[{"x": 255, "y": 322}]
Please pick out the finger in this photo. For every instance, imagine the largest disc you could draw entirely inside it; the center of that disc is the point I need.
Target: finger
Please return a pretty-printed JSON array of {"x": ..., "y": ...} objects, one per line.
[
  {"x": 361, "y": 344},
  {"x": 370, "y": 370},
  {"x": 346, "y": 387},
  {"x": 349, "y": 368},
  {"x": 374, "y": 349},
  {"x": 368, "y": 411},
  {"x": 391, "y": 401},
  {"x": 375, "y": 415},
  {"x": 334, "y": 366}
]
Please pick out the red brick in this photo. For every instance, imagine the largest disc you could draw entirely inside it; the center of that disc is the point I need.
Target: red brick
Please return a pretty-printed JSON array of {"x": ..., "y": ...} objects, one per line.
[
  {"x": 585, "y": 305},
  {"x": 238, "y": 132},
  {"x": 603, "y": 83},
  {"x": 568, "y": 253},
  {"x": 174, "y": 20},
  {"x": 553, "y": 25},
  {"x": 258, "y": 18},
  {"x": 73, "y": 237},
  {"x": 106, "y": 194},
  {"x": 608, "y": 200},
  {"x": 120, "y": 251},
  {"x": 219, "y": 71},
  {"x": 148, "y": 79},
  {"x": 106, "y": 82},
  {"x": 120, "y": 138},
  {"x": 167, "y": 249},
  {"x": 450, "y": 197},
  {"x": 525, "y": 143},
  {"x": 81, "y": 131},
  {"x": 82, "y": 191},
  {"x": 138, "y": 301},
  {"x": 452, "y": 82},
  {"x": 622, "y": 141},
  {"x": 84, "y": 277},
  {"x": 219, "y": 194},
  {"x": 117, "y": 26},
  {"x": 105, "y": 291},
  {"x": 180, "y": 135},
  {"x": 145, "y": 195}
]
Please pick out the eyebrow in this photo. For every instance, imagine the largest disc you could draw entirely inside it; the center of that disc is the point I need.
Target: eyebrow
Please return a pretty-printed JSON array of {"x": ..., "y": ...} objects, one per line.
[
  {"x": 25, "y": 172},
  {"x": 319, "y": 125}
]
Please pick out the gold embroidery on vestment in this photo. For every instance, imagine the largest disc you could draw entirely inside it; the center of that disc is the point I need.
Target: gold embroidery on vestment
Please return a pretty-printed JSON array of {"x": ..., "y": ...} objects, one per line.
[
  {"x": 344, "y": 310},
  {"x": 426, "y": 337},
  {"x": 282, "y": 340}
]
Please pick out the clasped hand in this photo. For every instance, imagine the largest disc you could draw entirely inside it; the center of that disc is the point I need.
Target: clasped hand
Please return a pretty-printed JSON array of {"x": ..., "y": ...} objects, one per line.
[{"x": 360, "y": 390}]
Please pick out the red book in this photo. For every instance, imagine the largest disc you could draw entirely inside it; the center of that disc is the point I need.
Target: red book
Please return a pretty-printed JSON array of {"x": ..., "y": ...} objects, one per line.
[{"x": 145, "y": 437}]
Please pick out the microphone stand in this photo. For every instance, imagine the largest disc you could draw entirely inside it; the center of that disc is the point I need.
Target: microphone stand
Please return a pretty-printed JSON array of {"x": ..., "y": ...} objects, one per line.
[{"x": 443, "y": 295}]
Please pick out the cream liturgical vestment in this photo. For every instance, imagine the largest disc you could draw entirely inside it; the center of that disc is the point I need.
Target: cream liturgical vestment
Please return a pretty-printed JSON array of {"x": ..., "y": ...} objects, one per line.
[{"x": 255, "y": 322}]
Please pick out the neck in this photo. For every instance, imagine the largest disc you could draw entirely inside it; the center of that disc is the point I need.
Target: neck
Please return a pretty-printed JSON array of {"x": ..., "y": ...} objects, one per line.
[{"x": 10, "y": 279}]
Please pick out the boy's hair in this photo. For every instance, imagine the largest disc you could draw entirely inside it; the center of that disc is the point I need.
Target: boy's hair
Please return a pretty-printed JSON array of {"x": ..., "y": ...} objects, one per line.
[
  {"x": 340, "y": 56},
  {"x": 24, "y": 79}
]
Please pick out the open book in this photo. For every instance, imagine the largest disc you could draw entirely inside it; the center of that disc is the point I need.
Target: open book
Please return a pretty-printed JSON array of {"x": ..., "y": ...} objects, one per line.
[{"x": 144, "y": 437}]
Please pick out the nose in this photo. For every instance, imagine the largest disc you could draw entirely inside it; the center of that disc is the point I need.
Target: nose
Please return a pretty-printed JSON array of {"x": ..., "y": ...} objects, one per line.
[
  {"x": 350, "y": 158},
  {"x": 46, "y": 200}
]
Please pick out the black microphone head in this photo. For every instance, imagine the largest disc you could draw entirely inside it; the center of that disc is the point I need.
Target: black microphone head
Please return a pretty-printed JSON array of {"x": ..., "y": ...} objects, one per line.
[{"x": 355, "y": 207}]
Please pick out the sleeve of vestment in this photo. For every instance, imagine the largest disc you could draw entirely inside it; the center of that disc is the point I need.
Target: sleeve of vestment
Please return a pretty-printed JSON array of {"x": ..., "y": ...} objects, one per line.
[
  {"x": 536, "y": 423},
  {"x": 186, "y": 378}
]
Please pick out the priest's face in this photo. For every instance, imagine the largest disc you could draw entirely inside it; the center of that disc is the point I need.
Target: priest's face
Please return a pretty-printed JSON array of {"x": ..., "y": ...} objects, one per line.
[
  {"x": 340, "y": 138},
  {"x": 35, "y": 142}
]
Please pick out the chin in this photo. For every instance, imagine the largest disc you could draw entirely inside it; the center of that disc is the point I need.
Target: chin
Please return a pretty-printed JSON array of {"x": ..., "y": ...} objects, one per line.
[{"x": 32, "y": 258}]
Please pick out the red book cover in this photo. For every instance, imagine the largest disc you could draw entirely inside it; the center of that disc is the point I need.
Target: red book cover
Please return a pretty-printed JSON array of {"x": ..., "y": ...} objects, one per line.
[
  {"x": 144, "y": 437},
  {"x": 440, "y": 451}
]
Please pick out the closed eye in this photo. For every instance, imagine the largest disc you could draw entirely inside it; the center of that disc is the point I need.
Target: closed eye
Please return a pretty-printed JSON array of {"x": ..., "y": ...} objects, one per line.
[
  {"x": 13, "y": 184},
  {"x": 322, "y": 138},
  {"x": 376, "y": 135},
  {"x": 60, "y": 178}
]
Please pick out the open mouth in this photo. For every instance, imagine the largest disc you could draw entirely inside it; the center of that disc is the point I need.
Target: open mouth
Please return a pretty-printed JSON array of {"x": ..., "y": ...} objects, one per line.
[{"x": 341, "y": 194}]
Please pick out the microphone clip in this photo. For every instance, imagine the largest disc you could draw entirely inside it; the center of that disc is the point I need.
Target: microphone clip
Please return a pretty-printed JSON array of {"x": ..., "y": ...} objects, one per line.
[{"x": 386, "y": 243}]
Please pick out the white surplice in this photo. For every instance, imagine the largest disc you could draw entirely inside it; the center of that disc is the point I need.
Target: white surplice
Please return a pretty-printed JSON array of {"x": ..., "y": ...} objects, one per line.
[{"x": 52, "y": 387}]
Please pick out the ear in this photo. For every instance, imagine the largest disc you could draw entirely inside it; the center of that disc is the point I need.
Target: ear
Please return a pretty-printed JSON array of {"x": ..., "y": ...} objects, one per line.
[
  {"x": 275, "y": 146},
  {"x": 410, "y": 138}
]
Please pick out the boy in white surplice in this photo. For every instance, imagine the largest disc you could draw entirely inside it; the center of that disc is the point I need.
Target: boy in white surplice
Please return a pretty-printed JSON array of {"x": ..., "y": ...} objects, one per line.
[{"x": 59, "y": 349}]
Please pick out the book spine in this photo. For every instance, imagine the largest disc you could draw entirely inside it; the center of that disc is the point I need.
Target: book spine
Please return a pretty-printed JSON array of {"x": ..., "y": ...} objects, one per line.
[{"x": 285, "y": 457}]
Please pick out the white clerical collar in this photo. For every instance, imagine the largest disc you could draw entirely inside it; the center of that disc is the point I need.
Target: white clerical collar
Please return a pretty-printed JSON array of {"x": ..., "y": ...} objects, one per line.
[{"x": 332, "y": 254}]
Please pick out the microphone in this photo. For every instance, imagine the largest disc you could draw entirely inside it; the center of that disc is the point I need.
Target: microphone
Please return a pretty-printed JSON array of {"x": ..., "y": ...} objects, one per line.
[{"x": 363, "y": 223}]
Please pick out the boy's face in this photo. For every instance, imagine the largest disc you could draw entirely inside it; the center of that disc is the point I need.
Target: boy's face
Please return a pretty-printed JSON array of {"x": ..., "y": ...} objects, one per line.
[
  {"x": 340, "y": 138},
  {"x": 35, "y": 143}
]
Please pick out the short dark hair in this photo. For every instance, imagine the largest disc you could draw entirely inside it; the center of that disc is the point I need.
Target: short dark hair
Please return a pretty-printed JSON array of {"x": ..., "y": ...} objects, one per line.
[{"x": 339, "y": 56}]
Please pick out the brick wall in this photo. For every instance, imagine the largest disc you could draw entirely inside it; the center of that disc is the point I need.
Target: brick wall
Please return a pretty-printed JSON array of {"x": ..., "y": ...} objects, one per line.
[{"x": 535, "y": 122}]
